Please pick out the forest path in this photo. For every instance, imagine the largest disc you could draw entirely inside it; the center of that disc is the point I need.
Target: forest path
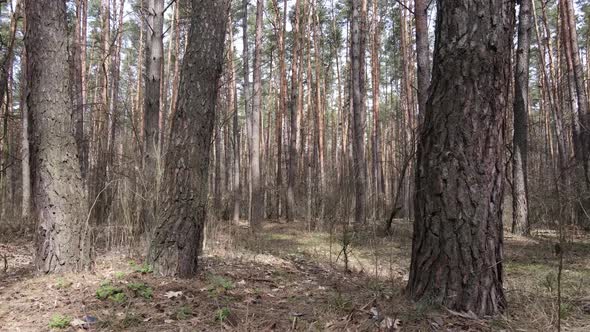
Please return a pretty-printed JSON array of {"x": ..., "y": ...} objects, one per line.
[{"x": 286, "y": 278}]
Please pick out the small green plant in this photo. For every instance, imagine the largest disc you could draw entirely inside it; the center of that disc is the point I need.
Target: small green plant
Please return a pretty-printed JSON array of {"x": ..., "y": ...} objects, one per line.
[
  {"x": 141, "y": 289},
  {"x": 119, "y": 275},
  {"x": 219, "y": 283},
  {"x": 62, "y": 283},
  {"x": 222, "y": 314},
  {"x": 118, "y": 298},
  {"x": 107, "y": 291},
  {"x": 144, "y": 268},
  {"x": 183, "y": 313},
  {"x": 59, "y": 321},
  {"x": 565, "y": 310}
]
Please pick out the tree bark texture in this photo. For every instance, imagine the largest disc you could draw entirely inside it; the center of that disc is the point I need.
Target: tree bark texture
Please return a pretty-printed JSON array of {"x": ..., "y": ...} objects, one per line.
[
  {"x": 59, "y": 198},
  {"x": 179, "y": 234},
  {"x": 458, "y": 236}
]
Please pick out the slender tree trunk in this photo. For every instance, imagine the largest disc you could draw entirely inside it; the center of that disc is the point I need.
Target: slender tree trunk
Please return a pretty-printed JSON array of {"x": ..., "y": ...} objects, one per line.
[
  {"x": 293, "y": 107},
  {"x": 25, "y": 158},
  {"x": 101, "y": 119},
  {"x": 358, "y": 109},
  {"x": 256, "y": 195},
  {"x": 520, "y": 223},
  {"x": 582, "y": 97},
  {"x": 237, "y": 188},
  {"x": 58, "y": 193},
  {"x": 178, "y": 237},
  {"x": 151, "y": 150},
  {"x": 459, "y": 180},
  {"x": 422, "y": 53}
]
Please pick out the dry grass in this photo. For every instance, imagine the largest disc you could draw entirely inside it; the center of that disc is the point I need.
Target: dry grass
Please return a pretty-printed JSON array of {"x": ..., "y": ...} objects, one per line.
[{"x": 287, "y": 278}]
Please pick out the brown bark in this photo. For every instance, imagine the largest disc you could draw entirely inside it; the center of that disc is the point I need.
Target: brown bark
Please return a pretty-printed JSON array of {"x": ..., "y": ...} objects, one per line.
[
  {"x": 58, "y": 193},
  {"x": 178, "y": 237},
  {"x": 457, "y": 258}
]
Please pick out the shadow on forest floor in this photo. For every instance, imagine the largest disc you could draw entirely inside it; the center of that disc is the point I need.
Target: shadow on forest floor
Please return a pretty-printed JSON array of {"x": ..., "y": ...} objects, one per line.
[{"x": 285, "y": 278}]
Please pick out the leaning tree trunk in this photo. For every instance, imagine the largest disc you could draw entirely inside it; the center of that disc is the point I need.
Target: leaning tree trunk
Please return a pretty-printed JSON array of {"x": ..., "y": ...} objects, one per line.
[
  {"x": 520, "y": 219},
  {"x": 59, "y": 198},
  {"x": 458, "y": 236},
  {"x": 179, "y": 235}
]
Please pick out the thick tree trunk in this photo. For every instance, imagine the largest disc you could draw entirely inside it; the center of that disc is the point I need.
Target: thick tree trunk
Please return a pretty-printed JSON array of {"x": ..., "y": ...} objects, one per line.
[
  {"x": 520, "y": 223},
  {"x": 58, "y": 193},
  {"x": 256, "y": 195},
  {"x": 179, "y": 234},
  {"x": 358, "y": 109},
  {"x": 457, "y": 253}
]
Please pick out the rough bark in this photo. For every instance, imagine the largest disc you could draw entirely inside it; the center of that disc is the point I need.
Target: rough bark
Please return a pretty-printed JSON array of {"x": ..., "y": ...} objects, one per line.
[
  {"x": 458, "y": 236},
  {"x": 179, "y": 234},
  {"x": 58, "y": 194}
]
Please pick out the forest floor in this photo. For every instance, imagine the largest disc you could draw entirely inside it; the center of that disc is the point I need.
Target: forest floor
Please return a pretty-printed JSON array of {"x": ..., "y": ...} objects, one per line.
[{"x": 285, "y": 278}]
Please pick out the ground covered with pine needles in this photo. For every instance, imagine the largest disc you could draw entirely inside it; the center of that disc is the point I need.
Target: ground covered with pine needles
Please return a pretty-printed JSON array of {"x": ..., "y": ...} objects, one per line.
[{"x": 286, "y": 278}]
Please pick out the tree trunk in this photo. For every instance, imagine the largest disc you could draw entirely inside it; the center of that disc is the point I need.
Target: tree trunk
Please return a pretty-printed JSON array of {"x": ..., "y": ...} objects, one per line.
[
  {"x": 358, "y": 109},
  {"x": 58, "y": 193},
  {"x": 520, "y": 222},
  {"x": 179, "y": 234},
  {"x": 237, "y": 188},
  {"x": 422, "y": 53},
  {"x": 582, "y": 97},
  {"x": 151, "y": 150},
  {"x": 457, "y": 245},
  {"x": 256, "y": 195},
  {"x": 293, "y": 106}
]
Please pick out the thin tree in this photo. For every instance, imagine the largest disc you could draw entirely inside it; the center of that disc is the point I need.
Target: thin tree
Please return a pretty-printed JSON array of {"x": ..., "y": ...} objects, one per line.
[
  {"x": 294, "y": 103},
  {"x": 358, "y": 109},
  {"x": 179, "y": 234},
  {"x": 520, "y": 223},
  {"x": 457, "y": 258},
  {"x": 58, "y": 195},
  {"x": 256, "y": 194},
  {"x": 154, "y": 54}
]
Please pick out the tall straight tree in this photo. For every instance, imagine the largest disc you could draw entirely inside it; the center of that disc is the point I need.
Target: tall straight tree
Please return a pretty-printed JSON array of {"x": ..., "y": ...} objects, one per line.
[
  {"x": 293, "y": 106},
  {"x": 458, "y": 237},
  {"x": 256, "y": 193},
  {"x": 520, "y": 224},
  {"x": 179, "y": 233},
  {"x": 358, "y": 109},
  {"x": 59, "y": 198},
  {"x": 154, "y": 54}
]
